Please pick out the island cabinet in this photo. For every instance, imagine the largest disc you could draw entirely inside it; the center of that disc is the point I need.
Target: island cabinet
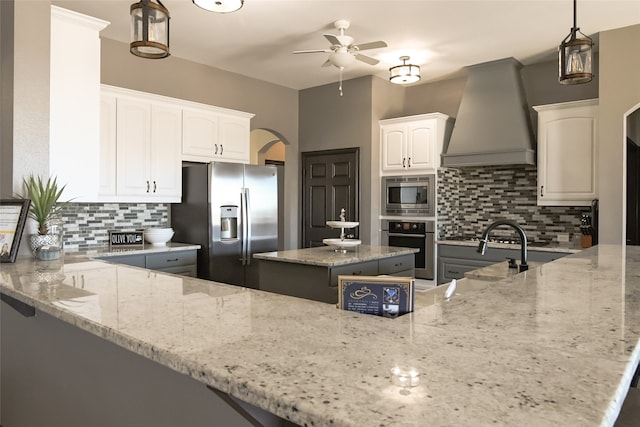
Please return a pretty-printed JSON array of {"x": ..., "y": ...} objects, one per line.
[
  {"x": 413, "y": 144},
  {"x": 567, "y": 153},
  {"x": 313, "y": 273},
  {"x": 212, "y": 134},
  {"x": 456, "y": 260}
]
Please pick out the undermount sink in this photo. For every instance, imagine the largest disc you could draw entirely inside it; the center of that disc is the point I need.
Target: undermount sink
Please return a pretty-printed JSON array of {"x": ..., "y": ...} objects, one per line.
[
  {"x": 342, "y": 245},
  {"x": 342, "y": 224}
]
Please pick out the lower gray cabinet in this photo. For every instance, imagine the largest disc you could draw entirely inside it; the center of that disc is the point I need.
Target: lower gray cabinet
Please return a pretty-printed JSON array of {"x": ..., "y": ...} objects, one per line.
[
  {"x": 455, "y": 260},
  {"x": 177, "y": 262}
]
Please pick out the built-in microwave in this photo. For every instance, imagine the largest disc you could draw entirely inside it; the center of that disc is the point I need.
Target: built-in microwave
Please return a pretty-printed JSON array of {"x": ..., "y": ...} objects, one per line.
[{"x": 409, "y": 195}]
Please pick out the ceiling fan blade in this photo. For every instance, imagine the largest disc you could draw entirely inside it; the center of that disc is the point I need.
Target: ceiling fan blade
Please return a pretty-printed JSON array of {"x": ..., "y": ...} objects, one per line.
[
  {"x": 372, "y": 45},
  {"x": 327, "y": 63},
  {"x": 333, "y": 40},
  {"x": 367, "y": 59},
  {"x": 313, "y": 51}
]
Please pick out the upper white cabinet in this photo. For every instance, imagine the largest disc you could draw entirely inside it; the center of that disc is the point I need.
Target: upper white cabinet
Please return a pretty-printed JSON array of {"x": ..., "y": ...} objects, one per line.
[
  {"x": 567, "y": 153},
  {"x": 74, "y": 137},
  {"x": 215, "y": 134},
  {"x": 413, "y": 144}
]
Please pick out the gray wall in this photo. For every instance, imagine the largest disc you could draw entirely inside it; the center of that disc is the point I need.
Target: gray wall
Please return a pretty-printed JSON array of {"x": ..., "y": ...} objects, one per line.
[{"x": 6, "y": 99}]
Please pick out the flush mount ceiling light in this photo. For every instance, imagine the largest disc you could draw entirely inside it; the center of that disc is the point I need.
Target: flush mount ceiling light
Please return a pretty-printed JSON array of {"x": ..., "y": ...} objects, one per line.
[
  {"x": 221, "y": 6},
  {"x": 575, "y": 56},
  {"x": 149, "y": 30},
  {"x": 405, "y": 73}
]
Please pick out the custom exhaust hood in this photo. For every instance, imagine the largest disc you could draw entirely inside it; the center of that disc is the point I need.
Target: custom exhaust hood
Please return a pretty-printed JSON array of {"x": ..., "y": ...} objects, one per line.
[{"x": 493, "y": 126}]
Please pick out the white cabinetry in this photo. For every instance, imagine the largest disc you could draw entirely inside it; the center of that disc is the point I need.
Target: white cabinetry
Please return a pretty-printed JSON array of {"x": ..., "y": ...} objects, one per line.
[
  {"x": 413, "y": 144},
  {"x": 146, "y": 132},
  {"x": 218, "y": 134},
  {"x": 74, "y": 139},
  {"x": 567, "y": 153}
]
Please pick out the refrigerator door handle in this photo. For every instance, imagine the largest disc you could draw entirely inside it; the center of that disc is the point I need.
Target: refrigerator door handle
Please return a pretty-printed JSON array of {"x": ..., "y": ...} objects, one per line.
[{"x": 247, "y": 222}]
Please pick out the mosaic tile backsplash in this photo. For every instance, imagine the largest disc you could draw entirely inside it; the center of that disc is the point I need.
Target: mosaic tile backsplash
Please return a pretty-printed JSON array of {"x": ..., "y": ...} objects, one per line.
[
  {"x": 88, "y": 224},
  {"x": 470, "y": 199}
]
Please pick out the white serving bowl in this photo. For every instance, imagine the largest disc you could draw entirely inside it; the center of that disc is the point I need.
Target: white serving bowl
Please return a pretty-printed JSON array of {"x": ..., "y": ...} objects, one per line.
[{"x": 158, "y": 236}]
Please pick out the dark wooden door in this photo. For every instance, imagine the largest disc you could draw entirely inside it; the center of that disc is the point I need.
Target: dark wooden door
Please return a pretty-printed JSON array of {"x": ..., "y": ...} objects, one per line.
[{"x": 329, "y": 183}]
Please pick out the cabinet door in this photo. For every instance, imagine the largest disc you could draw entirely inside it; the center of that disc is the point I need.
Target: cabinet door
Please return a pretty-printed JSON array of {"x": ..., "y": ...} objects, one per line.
[
  {"x": 165, "y": 165},
  {"x": 421, "y": 142},
  {"x": 108, "y": 159},
  {"x": 567, "y": 156},
  {"x": 133, "y": 145},
  {"x": 393, "y": 144},
  {"x": 199, "y": 133},
  {"x": 234, "y": 139}
]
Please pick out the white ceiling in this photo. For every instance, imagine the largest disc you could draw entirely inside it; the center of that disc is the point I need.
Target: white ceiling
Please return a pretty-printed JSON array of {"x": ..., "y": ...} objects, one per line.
[{"x": 441, "y": 36}]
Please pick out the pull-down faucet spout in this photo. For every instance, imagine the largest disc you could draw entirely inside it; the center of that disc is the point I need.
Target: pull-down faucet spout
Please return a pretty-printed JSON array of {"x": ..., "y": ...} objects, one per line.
[{"x": 482, "y": 247}]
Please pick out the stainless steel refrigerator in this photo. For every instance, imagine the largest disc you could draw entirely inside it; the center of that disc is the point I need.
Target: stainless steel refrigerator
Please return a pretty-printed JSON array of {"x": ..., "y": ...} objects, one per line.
[{"x": 231, "y": 211}]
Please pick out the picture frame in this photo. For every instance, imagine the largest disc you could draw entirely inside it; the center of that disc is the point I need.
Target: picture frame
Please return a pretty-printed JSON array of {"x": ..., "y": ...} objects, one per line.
[
  {"x": 386, "y": 296},
  {"x": 13, "y": 216}
]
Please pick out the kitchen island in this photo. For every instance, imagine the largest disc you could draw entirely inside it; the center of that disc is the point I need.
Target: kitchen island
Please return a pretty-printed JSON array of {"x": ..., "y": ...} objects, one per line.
[
  {"x": 557, "y": 346},
  {"x": 312, "y": 273}
]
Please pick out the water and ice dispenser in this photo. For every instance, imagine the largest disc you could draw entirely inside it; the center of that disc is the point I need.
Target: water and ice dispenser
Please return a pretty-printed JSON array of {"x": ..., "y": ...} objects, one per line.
[{"x": 228, "y": 222}]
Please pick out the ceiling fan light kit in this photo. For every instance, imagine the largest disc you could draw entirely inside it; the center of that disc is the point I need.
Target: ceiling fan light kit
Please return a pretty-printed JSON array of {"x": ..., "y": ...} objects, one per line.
[
  {"x": 149, "y": 30},
  {"x": 404, "y": 73},
  {"x": 220, "y": 6},
  {"x": 575, "y": 62}
]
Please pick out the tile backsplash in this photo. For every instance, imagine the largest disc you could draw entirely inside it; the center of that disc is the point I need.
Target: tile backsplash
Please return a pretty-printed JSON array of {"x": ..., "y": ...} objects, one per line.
[
  {"x": 88, "y": 224},
  {"x": 470, "y": 199}
]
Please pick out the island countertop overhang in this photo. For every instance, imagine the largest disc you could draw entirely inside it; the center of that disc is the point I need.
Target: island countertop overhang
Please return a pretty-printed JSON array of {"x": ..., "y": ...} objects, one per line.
[{"x": 557, "y": 345}]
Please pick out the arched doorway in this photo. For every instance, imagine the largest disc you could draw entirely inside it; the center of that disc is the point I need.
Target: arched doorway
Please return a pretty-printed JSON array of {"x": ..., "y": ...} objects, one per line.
[{"x": 269, "y": 147}]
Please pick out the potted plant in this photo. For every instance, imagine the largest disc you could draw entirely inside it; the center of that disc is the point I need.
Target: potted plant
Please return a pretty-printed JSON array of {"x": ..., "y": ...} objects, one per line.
[{"x": 44, "y": 209}]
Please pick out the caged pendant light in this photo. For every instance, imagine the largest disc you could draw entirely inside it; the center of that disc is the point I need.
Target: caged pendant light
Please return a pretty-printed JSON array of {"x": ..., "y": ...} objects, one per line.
[
  {"x": 149, "y": 30},
  {"x": 405, "y": 73},
  {"x": 575, "y": 56}
]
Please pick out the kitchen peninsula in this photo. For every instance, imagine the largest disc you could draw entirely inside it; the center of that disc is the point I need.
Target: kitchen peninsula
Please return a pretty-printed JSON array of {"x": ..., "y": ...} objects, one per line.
[
  {"x": 312, "y": 273},
  {"x": 556, "y": 345}
]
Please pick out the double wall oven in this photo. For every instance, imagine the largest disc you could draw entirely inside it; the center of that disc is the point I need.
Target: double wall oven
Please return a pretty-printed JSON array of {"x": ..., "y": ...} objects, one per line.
[{"x": 409, "y": 207}]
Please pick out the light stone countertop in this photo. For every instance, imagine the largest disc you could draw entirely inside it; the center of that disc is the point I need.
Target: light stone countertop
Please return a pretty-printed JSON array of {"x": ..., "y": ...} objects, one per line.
[
  {"x": 556, "y": 346},
  {"x": 325, "y": 256},
  {"x": 498, "y": 271},
  {"x": 566, "y": 248},
  {"x": 106, "y": 251}
]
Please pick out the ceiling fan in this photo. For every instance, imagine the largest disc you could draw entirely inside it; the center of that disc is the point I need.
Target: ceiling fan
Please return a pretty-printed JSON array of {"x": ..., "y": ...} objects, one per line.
[{"x": 343, "y": 51}]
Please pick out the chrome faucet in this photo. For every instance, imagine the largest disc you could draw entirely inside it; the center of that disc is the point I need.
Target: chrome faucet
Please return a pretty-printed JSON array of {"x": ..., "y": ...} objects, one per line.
[{"x": 482, "y": 247}]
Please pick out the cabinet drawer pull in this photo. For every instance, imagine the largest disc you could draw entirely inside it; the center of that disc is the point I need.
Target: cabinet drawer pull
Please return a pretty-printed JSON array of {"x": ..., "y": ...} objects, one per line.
[
  {"x": 454, "y": 272},
  {"x": 216, "y": 148},
  {"x": 403, "y": 162},
  {"x": 542, "y": 191},
  {"x": 356, "y": 273},
  {"x": 173, "y": 260},
  {"x": 221, "y": 149},
  {"x": 154, "y": 186},
  {"x": 409, "y": 162},
  {"x": 148, "y": 186},
  {"x": 399, "y": 264}
]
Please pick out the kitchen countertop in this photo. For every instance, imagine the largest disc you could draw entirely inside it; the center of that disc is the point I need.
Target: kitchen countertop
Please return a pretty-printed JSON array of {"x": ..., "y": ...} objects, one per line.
[
  {"x": 325, "y": 256},
  {"x": 106, "y": 251},
  {"x": 569, "y": 248},
  {"x": 556, "y": 346},
  {"x": 499, "y": 271}
]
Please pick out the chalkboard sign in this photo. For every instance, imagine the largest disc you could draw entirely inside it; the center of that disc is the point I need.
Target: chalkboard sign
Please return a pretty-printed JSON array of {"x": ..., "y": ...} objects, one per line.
[
  {"x": 126, "y": 238},
  {"x": 385, "y": 296}
]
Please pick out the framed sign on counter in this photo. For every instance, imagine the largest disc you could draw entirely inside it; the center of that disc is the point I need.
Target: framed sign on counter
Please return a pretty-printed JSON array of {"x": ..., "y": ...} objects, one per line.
[
  {"x": 13, "y": 216},
  {"x": 385, "y": 296}
]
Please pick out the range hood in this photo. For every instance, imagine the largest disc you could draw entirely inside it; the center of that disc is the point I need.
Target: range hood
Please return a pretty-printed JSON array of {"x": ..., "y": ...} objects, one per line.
[{"x": 493, "y": 126}]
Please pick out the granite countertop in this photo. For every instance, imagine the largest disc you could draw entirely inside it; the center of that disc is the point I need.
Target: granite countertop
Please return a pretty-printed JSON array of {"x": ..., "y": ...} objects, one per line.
[
  {"x": 499, "y": 271},
  {"x": 556, "y": 346},
  {"x": 107, "y": 251},
  {"x": 325, "y": 256},
  {"x": 569, "y": 248}
]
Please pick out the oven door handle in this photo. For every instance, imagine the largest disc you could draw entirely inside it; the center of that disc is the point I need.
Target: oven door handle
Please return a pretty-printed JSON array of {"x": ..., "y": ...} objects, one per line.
[{"x": 418, "y": 236}]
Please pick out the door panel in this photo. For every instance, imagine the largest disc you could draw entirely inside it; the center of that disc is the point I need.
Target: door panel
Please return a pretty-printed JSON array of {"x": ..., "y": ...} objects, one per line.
[{"x": 330, "y": 183}]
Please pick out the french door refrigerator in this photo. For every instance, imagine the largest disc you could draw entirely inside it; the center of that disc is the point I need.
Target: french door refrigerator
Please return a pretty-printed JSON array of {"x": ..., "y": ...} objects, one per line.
[{"x": 231, "y": 211}]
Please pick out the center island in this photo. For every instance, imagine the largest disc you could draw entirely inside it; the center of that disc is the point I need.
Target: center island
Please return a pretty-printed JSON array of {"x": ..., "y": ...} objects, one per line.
[
  {"x": 312, "y": 273},
  {"x": 557, "y": 345}
]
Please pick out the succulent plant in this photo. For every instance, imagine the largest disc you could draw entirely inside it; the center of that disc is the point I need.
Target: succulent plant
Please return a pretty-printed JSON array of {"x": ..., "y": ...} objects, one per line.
[{"x": 45, "y": 203}]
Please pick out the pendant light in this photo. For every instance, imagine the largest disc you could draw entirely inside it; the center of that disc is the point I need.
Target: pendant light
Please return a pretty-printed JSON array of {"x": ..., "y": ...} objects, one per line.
[
  {"x": 405, "y": 73},
  {"x": 149, "y": 30},
  {"x": 575, "y": 56},
  {"x": 220, "y": 6}
]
